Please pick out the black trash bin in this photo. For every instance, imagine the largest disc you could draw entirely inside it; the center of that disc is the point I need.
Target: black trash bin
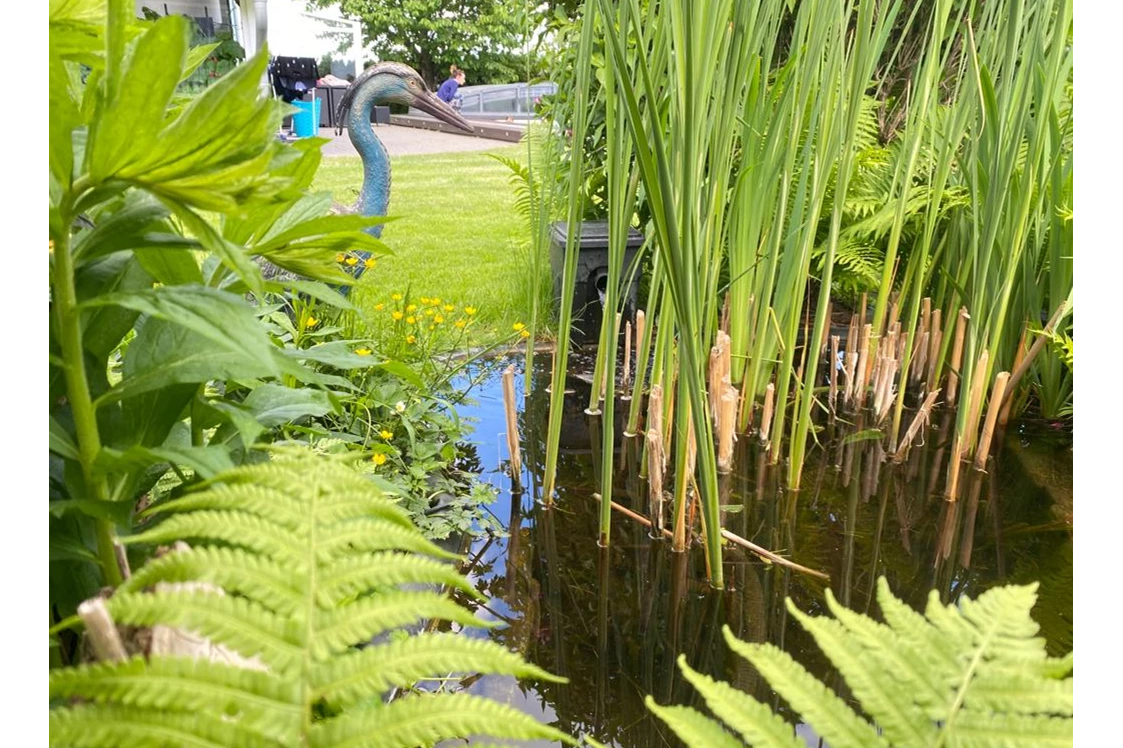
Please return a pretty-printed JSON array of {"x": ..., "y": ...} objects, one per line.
[{"x": 592, "y": 274}]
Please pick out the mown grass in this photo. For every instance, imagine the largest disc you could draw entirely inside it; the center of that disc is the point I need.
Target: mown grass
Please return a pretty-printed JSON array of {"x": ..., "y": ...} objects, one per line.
[{"x": 457, "y": 235}]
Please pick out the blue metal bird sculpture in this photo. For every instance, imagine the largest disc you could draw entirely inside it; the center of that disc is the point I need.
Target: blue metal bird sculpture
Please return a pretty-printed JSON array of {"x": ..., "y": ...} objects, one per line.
[{"x": 384, "y": 83}]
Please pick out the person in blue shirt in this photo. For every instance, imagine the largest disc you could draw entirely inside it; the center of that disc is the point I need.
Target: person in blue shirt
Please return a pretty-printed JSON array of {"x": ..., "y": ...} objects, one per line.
[{"x": 448, "y": 92}]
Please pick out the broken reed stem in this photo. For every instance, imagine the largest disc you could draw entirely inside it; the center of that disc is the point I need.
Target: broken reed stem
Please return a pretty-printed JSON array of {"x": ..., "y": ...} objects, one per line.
[
  {"x": 626, "y": 374},
  {"x": 732, "y": 538},
  {"x": 1019, "y": 356},
  {"x": 975, "y": 404},
  {"x": 512, "y": 425},
  {"x": 832, "y": 397},
  {"x": 726, "y": 420},
  {"x": 1023, "y": 367},
  {"x": 863, "y": 367},
  {"x": 715, "y": 381},
  {"x": 996, "y": 395},
  {"x": 957, "y": 353},
  {"x": 655, "y": 467},
  {"x": 933, "y": 356},
  {"x": 655, "y": 415},
  {"x": 918, "y": 421},
  {"x": 848, "y": 374},
  {"x": 955, "y": 461},
  {"x": 766, "y": 416},
  {"x": 103, "y": 633}
]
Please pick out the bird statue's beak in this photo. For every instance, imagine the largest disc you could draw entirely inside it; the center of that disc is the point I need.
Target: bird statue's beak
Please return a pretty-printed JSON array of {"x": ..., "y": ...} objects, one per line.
[{"x": 430, "y": 104}]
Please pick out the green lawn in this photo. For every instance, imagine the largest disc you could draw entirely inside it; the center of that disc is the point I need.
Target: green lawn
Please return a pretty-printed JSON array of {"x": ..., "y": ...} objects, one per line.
[{"x": 457, "y": 235}]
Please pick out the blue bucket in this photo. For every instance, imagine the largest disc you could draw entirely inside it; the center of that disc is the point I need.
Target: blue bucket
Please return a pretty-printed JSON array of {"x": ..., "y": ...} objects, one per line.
[{"x": 305, "y": 123}]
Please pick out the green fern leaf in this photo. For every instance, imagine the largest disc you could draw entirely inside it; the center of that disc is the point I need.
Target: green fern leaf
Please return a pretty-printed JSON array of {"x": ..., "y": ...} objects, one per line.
[
  {"x": 345, "y": 680},
  {"x": 356, "y": 576},
  {"x": 304, "y": 589},
  {"x": 831, "y": 717},
  {"x": 754, "y": 721},
  {"x": 424, "y": 720},
  {"x": 253, "y": 699},
  {"x": 692, "y": 727},
  {"x": 96, "y": 726},
  {"x": 234, "y": 570},
  {"x": 366, "y": 618},
  {"x": 889, "y": 699},
  {"x": 235, "y": 622}
]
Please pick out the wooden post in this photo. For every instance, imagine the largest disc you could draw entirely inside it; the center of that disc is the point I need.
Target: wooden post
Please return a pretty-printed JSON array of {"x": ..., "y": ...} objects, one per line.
[
  {"x": 512, "y": 426},
  {"x": 957, "y": 353},
  {"x": 992, "y": 418}
]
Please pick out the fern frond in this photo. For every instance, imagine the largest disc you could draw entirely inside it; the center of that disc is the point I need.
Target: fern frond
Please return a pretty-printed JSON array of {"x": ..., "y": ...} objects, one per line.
[
  {"x": 96, "y": 726},
  {"x": 367, "y": 534},
  {"x": 257, "y": 701},
  {"x": 366, "y": 618},
  {"x": 235, "y": 622},
  {"x": 232, "y": 569},
  {"x": 754, "y": 721},
  {"x": 887, "y": 698},
  {"x": 358, "y": 575},
  {"x": 304, "y": 589},
  {"x": 989, "y": 730},
  {"x": 426, "y": 719},
  {"x": 345, "y": 680},
  {"x": 692, "y": 727},
  {"x": 236, "y": 528}
]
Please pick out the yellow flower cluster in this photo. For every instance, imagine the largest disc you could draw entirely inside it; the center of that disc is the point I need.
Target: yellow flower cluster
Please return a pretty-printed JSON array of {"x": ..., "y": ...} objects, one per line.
[{"x": 423, "y": 318}]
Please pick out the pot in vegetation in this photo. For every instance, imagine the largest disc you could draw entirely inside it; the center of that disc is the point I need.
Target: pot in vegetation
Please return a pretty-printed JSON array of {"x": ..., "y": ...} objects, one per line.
[{"x": 592, "y": 274}]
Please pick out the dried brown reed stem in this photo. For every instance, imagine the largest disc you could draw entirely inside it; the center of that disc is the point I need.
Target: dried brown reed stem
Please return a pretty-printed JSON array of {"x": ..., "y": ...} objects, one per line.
[
  {"x": 975, "y": 404},
  {"x": 766, "y": 415},
  {"x": 883, "y": 393},
  {"x": 1023, "y": 367},
  {"x": 1019, "y": 356},
  {"x": 655, "y": 414},
  {"x": 933, "y": 356},
  {"x": 862, "y": 304},
  {"x": 996, "y": 395},
  {"x": 512, "y": 425},
  {"x": 955, "y": 462},
  {"x": 832, "y": 395},
  {"x": 848, "y": 373},
  {"x": 714, "y": 378},
  {"x": 626, "y": 373},
  {"x": 726, "y": 421},
  {"x": 957, "y": 353},
  {"x": 852, "y": 336},
  {"x": 732, "y": 538},
  {"x": 655, "y": 467},
  {"x": 684, "y": 484},
  {"x": 864, "y": 365},
  {"x": 918, "y": 422},
  {"x": 102, "y": 632}
]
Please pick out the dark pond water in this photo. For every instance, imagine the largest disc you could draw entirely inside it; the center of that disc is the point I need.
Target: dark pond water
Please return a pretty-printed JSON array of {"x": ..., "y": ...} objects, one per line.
[{"x": 614, "y": 620}]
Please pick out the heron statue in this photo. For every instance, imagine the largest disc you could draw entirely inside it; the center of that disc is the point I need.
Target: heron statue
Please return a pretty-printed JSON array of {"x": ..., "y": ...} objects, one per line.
[{"x": 384, "y": 83}]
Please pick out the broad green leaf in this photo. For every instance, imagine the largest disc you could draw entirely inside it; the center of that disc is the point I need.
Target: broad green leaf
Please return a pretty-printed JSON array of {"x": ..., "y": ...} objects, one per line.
[
  {"x": 104, "y": 327},
  {"x": 338, "y": 353},
  {"x": 225, "y": 320},
  {"x": 274, "y": 404},
  {"x": 65, "y": 116},
  {"x": 126, "y": 228},
  {"x": 404, "y": 372},
  {"x": 60, "y": 441},
  {"x": 196, "y": 56},
  {"x": 125, "y": 136},
  {"x": 166, "y": 353},
  {"x": 118, "y": 512},
  {"x": 206, "y": 462},
  {"x": 170, "y": 266},
  {"x": 232, "y": 256}
]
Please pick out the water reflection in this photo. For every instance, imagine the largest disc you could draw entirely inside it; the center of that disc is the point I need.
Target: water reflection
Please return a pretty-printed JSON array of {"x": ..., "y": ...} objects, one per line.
[{"x": 614, "y": 620}]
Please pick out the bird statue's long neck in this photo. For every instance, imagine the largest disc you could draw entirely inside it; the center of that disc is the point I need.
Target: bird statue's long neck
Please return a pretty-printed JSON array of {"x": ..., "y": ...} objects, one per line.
[{"x": 375, "y": 195}]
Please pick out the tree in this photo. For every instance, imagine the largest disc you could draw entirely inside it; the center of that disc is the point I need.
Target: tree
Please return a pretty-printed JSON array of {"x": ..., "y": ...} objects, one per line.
[{"x": 485, "y": 37}]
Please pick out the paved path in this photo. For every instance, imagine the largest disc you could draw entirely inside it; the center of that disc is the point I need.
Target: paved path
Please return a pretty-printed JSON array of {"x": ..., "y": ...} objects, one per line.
[{"x": 405, "y": 141}]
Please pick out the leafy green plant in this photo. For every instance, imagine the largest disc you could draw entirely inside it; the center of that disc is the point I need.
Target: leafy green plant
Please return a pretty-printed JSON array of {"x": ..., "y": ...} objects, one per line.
[
  {"x": 972, "y": 674},
  {"x": 315, "y": 568}
]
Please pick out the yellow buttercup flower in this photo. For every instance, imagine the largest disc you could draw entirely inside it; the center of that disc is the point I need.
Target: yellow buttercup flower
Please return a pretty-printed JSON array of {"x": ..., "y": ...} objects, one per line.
[
  {"x": 438, "y": 319},
  {"x": 424, "y": 299},
  {"x": 429, "y": 312},
  {"x": 460, "y": 323},
  {"x": 411, "y": 308},
  {"x": 311, "y": 322},
  {"x": 396, "y": 296},
  {"x": 368, "y": 262},
  {"x": 411, "y": 339},
  {"x": 524, "y": 333},
  {"x": 411, "y": 320},
  {"x": 469, "y": 310},
  {"x": 436, "y": 300},
  {"x": 396, "y": 314},
  {"x": 379, "y": 458},
  {"x": 450, "y": 308},
  {"x": 352, "y": 260},
  {"x": 340, "y": 257},
  {"x": 379, "y": 307},
  {"x": 517, "y": 326},
  {"x": 386, "y": 434},
  {"x": 362, "y": 351}
]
